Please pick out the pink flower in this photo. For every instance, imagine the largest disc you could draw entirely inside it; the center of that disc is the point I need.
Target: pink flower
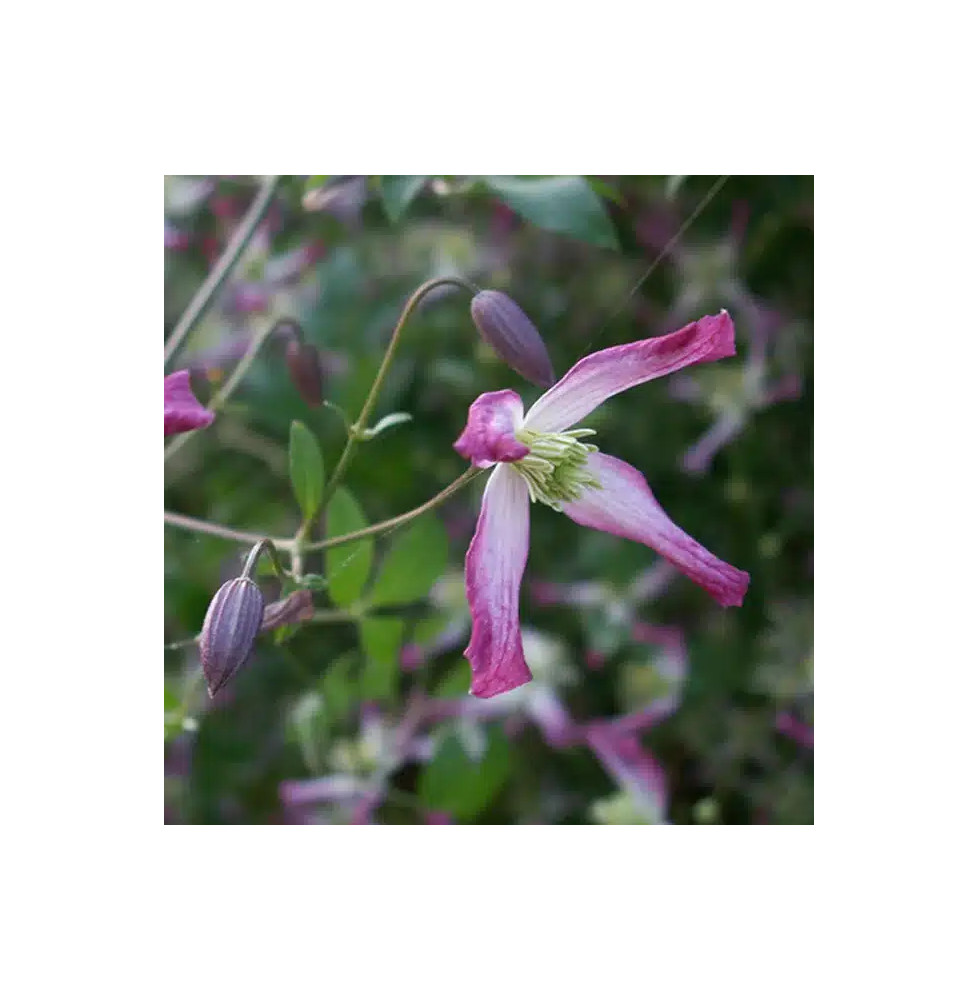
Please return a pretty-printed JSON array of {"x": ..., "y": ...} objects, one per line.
[
  {"x": 181, "y": 411},
  {"x": 539, "y": 457},
  {"x": 797, "y": 730},
  {"x": 635, "y": 770}
]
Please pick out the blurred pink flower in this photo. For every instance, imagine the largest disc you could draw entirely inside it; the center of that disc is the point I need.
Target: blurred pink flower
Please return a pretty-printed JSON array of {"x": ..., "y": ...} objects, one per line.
[
  {"x": 173, "y": 238},
  {"x": 795, "y": 729},
  {"x": 181, "y": 411},
  {"x": 635, "y": 770},
  {"x": 539, "y": 457}
]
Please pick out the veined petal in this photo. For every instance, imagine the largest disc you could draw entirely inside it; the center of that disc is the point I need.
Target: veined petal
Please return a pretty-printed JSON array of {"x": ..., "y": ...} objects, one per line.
[
  {"x": 625, "y": 506},
  {"x": 181, "y": 411},
  {"x": 605, "y": 373},
  {"x": 489, "y": 435},
  {"x": 494, "y": 568}
]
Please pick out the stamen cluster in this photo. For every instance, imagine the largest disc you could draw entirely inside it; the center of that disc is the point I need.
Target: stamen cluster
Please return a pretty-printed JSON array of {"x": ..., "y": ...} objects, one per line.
[{"x": 556, "y": 471}]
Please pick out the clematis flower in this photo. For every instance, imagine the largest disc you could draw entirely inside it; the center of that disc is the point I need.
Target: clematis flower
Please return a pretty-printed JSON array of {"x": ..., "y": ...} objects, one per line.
[
  {"x": 181, "y": 411},
  {"x": 541, "y": 456}
]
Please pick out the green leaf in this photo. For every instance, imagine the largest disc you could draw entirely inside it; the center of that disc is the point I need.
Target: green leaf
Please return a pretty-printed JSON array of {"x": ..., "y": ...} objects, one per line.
[
  {"x": 398, "y": 192},
  {"x": 339, "y": 685},
  {"x": 415, "y": 561},
  {"x": 605, "y": 190},
  {"x": 308, "y": 724},
  {"x": 455, "y": 783},
  {"x": 381, "y": 641},
  {"x": 456, "y": 683},
  {"x": 426, "y": 629},
  {"x": 347, "y": 566},
  {"x": 391, "y": 420},
  {"x": 306, "y": 468},
  {"x": 562, "y": 204}
]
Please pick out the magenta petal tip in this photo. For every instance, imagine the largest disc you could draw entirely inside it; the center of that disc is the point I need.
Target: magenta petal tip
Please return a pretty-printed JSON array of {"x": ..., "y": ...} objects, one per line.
[
  {"x": 490, "y": 434},
  {"x": 181, "y": 410}
]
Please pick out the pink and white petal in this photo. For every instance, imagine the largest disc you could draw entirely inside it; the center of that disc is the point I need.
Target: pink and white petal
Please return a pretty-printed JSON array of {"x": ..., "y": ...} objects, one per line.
[
  {"x": 605, "y": 373},
  {"x": 181, "y": 411},
  {"x": 625, "y": 506},
  {"x": 489, "y": 435},
  {"x": 632, "y": 767},
  {"x": 494, "y": 568}
]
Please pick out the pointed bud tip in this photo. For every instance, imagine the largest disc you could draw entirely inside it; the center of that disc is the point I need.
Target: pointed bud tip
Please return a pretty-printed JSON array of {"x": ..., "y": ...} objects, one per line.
[
  {"x": 511, "y": 334},
  {"x": 230, "y": 626}
]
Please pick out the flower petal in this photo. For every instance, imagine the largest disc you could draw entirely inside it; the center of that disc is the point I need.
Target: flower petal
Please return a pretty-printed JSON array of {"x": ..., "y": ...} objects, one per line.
[
  {"x": 636, "y": 771},
  {"x": 489, "y": 435},
  {"x": 605, "y": 373},
  {"x": 625, "y": 506},
  {"x": 181, "y": 411},
  {"x": 494, "y": 568}
]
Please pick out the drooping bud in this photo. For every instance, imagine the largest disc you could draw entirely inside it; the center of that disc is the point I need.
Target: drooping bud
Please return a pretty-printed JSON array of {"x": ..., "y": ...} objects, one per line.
[
  {"x": 230, "y": 626},
  {"x": 305, "y": 370},
  {"x": 297, "y": 607},
  {"x": 509, "y": 332}
]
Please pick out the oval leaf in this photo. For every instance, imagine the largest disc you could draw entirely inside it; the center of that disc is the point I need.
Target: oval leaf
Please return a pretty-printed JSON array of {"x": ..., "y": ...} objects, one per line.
[
  {"x": 455, "y": 783},
  {"x": 348, "y": 566},
  {"x": 415, "y": 561},
  {"x": 381, "y": 641},
  {"x": 562, "y": 204},
  {"x": 306, "y": 468}
]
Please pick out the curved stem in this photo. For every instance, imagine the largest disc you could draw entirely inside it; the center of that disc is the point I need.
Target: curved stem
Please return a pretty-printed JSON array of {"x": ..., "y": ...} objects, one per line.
[
  {"x": 395, "y": 522},
  {"x": 220, "y": 531},
  {"x": 223, "y": 267},
  {"x": 265, "y": 545},
  {"x": 289, "y": 544},
  {"x": 217, "y": 401},
  {"x": 353, "y": 436}
]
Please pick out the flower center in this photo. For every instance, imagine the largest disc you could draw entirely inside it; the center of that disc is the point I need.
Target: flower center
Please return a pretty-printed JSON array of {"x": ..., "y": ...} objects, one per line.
[{"x": 556, "y": 468}]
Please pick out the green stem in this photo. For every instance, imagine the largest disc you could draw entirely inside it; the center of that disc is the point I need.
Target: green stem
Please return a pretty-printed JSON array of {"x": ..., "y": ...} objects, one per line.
[
  {"x": 361, "y": 423},
  {"x": 288, "y": 544},
  {"x": 353, "y": 432},
  {"x": 330, "y": 616},
  {"x": 396, "y": 522},
  {"x": 220, "y": 531},
  {"x": 265, "y": 545},
  {"x": 217, "y": 401},
  {"x": 225, "y": 264}
]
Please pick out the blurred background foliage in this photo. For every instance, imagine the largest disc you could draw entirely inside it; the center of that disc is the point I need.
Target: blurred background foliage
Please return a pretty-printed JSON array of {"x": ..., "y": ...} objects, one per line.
[{"x": 363, "y": 716}]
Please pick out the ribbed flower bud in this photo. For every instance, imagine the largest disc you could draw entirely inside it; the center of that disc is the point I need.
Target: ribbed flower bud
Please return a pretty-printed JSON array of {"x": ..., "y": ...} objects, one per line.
[
  {"x": 305, "y": 370},
  {"x": 230, "y": 627},
  {"x": 509, "y": 332},
  {"x": 297, "y": 607}
]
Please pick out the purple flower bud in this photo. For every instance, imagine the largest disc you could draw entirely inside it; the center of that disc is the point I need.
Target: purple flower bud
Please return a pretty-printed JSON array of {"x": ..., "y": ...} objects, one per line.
[
  {"x": 230, "y": 626},
  {"x": 509, "y": 332},
  {"x": 305, "y": 370},
  {"x": 297, "y": 607}
]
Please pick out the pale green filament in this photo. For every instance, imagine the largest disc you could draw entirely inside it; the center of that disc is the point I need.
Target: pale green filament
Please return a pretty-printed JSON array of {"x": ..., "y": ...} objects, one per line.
[{"x": 555, "y": 471}]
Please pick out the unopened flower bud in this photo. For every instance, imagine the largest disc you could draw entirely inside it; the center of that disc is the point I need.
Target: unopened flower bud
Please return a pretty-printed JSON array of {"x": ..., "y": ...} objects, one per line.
[
  {"x": 297, "y": 607},
  {"x": 509, "y": 332},
  {"x": 230, "y": 626},
  {"x": 305, "y": 370}
]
